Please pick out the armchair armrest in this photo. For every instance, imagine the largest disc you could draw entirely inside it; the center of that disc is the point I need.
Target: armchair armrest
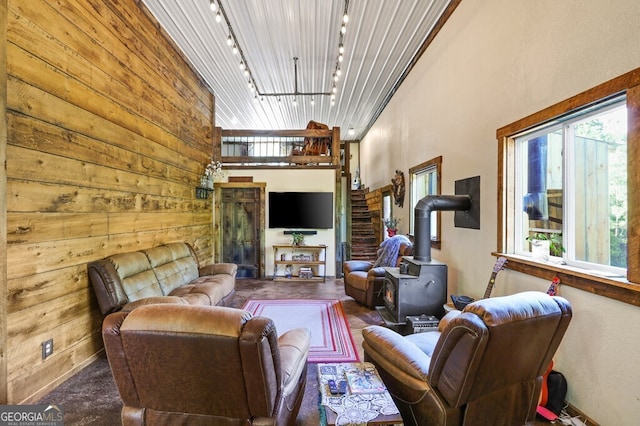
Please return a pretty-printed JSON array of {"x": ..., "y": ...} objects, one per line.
[
  {"x": 447, "y": 319},
  {"x": 356, "y": 265},
  {"x": 377, "y": 272},
  {"x": 219, "y": 268},
  {"x": 294, "y": 351}
]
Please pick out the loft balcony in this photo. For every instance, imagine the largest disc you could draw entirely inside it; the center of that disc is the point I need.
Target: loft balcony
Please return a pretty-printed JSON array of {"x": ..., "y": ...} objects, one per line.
[{"x": 279, "y": 148}]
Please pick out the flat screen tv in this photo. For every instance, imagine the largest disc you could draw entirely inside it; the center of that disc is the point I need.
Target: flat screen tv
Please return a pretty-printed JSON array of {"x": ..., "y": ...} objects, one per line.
[{"x": 301, "y": 210}]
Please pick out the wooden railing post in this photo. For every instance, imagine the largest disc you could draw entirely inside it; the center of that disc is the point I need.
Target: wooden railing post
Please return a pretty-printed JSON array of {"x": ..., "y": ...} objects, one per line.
[{"x": 335, "y": 146}]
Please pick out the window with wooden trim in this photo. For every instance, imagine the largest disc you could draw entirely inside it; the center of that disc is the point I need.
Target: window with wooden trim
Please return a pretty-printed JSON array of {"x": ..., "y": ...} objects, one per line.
[
  {"x": 563, "y": 174},
  {"x": 425, "y": 180},
  {"x": 571, "y": 190}
]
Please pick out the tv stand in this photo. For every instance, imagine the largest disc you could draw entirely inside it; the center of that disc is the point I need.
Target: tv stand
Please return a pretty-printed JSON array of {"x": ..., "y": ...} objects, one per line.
[{"x": 298, "y": 259}]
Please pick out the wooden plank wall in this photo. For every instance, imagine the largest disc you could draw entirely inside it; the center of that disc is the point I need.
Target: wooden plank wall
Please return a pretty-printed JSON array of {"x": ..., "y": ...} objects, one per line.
[
  {"x": 3, "y": 210},
  {"x": 108, "y": 131}
]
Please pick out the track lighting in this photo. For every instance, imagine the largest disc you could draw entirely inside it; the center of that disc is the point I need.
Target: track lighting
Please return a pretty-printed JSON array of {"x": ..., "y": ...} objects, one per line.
[{"x": 217, "y": 7}]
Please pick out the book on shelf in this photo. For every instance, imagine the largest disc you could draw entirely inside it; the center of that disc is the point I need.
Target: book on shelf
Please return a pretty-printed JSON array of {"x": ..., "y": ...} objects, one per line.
[{"x": 364, "y": 380}]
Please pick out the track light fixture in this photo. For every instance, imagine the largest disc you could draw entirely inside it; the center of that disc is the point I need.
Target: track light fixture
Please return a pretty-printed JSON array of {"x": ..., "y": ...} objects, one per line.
[{"x": 232, "y": 41}]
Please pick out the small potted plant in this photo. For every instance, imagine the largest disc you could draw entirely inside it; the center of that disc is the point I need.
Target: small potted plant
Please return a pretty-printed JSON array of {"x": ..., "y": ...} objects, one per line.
[
  {"x": 544, "y": 245},
  {"x": 391, "y": 223},
  {"x": 297, "y": 239}
]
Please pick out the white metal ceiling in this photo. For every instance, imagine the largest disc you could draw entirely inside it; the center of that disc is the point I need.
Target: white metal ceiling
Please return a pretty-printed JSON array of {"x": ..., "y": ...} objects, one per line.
[{"x": 381, "y": 39}]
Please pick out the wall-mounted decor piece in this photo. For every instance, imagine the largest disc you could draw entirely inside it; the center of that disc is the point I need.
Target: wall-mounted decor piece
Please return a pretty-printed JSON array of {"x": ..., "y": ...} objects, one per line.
[
  {"x": 470, "y": 218},
  {"x": 203, "y": 193},
  {"x": 398, "y": 188}
]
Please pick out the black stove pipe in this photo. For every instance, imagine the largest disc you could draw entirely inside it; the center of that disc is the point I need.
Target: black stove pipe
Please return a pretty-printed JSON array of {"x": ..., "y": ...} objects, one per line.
[{"x": 422, "y": 219}]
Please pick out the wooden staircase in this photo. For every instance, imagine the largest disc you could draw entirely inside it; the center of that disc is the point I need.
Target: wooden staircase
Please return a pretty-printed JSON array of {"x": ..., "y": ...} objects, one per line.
[{"x": 363, "y": 240}]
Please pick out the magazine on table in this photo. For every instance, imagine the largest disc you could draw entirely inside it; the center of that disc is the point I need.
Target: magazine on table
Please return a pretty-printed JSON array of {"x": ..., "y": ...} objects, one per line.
[{"x": 364, "y": 380}]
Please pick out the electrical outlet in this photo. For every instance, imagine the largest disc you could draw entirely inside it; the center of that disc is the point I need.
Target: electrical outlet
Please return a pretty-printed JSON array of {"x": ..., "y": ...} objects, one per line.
[{"x": 47, "y": 348}]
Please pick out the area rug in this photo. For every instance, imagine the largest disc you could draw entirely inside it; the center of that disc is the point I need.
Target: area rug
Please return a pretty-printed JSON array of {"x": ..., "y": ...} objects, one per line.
[{"x": 331, "y": 339}]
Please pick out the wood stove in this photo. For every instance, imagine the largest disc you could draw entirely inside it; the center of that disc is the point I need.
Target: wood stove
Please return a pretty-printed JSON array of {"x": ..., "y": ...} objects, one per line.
[
  {"x": 419, "y": 285},
  {"x": 420, "y": 289}
]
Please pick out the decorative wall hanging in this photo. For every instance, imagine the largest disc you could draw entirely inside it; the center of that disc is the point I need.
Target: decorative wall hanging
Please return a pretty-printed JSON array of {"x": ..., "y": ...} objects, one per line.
[
  {"x": 212, "y": 172},
  {"x": 398, "y": 188}
]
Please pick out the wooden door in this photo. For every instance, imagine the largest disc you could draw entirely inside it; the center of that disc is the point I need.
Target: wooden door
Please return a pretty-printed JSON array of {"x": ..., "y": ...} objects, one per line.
[{"x": 240, "y": 213}]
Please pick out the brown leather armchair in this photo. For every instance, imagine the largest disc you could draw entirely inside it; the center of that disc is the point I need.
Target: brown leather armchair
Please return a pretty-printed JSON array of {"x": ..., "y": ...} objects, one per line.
[
  {"x": 363, "y": 281},
  {"x": 205, "y": 365},
  {"x": 485, "y": 366}
]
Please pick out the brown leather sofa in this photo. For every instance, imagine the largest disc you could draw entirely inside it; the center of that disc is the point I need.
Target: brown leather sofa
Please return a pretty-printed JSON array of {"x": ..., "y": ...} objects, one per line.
[
  {"x": 205, "y": 365},
  {"x": 484, "y": 366},
  {"x": 165, "y": 274},
  {"x": 363, "y": 281}
]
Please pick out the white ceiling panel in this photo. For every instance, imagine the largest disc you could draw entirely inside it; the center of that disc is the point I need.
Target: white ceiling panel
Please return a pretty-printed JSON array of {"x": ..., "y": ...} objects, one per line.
[{"x": 382, "y": 38}]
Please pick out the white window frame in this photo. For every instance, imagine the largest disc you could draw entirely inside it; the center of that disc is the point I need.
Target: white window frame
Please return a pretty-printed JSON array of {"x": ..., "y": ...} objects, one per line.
[{"x": 565, "y": 125}]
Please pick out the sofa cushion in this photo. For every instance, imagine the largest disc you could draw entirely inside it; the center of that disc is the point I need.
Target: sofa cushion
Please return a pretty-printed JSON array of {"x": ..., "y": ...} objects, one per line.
[
  {"x": 137, "y": 277},
  {"x": 209, "y": 289},
  {"x": 426, "y": 341},
  {"x": 173, "y": 266},
  {"x": 184, "y": 256}
]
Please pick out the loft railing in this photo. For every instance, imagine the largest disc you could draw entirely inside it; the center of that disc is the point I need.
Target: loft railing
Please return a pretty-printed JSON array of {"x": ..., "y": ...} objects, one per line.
[{"x": 277, "y": 148}]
